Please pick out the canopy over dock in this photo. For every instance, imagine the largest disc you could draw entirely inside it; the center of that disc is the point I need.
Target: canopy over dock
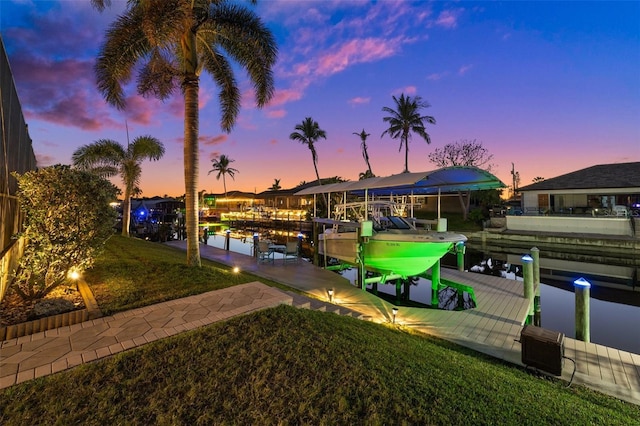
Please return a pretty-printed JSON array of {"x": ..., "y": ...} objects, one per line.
[{"x": 447, "y": 179}]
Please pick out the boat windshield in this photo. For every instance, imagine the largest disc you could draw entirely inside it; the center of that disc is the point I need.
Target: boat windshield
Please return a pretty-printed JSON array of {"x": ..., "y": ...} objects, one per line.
[{"x": 398, "y": 222}]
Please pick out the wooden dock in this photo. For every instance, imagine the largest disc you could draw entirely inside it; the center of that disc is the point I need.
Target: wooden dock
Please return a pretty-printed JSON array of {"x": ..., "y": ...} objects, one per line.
[{"x": 493, "y": 327}]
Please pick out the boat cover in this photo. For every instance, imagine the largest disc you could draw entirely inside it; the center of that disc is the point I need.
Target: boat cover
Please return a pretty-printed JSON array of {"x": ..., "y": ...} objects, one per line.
[{"x": 447, "y": 179}]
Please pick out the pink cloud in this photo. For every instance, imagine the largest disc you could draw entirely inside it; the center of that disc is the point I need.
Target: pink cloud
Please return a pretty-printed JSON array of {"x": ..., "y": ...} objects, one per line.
[
  {"x": 44, "y": 160},
  {"x": 354, "y": 52},
  {"x": 213, "y": 140},
  {"x": 276, "y": 113},
  {"x": 284, "y": 96},
  {"x": 359, "y": 100},
  {"x": 273, "y": 142},
  {"x": 409, "y": 90},
  {"x": 449, "y": 18},
  {"x": 437, "y": 76},
  {"x": 463, "y": 69}
]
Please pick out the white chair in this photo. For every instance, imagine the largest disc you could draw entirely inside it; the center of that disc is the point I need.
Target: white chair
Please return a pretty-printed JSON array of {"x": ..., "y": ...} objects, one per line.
[
  {"x": 265, "y": 254},
  {"x": 291, "y": 252}
]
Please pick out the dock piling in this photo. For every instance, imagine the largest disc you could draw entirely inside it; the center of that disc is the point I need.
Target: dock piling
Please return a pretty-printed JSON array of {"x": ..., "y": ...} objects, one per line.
[
  {"x": 537, "y": 310},
  {"x": 527, "y": 276},
  {"x": 582, "y": 290}
]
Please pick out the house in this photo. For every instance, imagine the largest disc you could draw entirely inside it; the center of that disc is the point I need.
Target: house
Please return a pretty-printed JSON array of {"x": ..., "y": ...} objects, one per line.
[
  {"x": 602, "y": 199},
  {"x": 601, "y": 190}
]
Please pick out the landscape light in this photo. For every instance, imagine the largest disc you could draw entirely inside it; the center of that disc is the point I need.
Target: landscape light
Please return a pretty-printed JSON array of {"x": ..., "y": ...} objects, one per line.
[
  {"x": 330, "y": 294},
  {"x": 526, "y": 258},
  {"x": 236, "y": 269},
  {"x": 74, "y": 274},
  {"x": 394, "y": 311}
]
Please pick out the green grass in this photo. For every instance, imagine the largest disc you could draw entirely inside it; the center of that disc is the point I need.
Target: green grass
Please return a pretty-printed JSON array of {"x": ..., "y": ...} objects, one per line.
[
  {"x": 287, "y": 366},
  {"x": 132, "y": 273},
  {"x": 291, "y": 366}
]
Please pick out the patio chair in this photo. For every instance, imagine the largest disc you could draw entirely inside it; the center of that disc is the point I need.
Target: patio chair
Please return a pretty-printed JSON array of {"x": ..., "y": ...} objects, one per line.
[
  {"x": 291, "y": 252},
  {"x": 265, "y": 254}
]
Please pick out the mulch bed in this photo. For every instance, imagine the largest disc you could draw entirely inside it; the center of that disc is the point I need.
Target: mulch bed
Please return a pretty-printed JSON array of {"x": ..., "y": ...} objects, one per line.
[{"x": 14, "y": 310}]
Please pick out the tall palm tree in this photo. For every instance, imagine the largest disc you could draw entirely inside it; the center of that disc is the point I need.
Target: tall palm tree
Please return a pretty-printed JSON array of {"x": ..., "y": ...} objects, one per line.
[
  {"x": 363, "y": 138},
  {"x": 108, "y": 158},
  {"x": 406, "y": 119},
  {"x": 221, "y": 166},
  {"x": 169, "y": 43},
  {"x": 309, "y": 132}
]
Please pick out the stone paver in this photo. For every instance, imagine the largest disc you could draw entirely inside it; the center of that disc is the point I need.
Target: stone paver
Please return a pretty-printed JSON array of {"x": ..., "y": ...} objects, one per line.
[{"x": 28, "y": 357}]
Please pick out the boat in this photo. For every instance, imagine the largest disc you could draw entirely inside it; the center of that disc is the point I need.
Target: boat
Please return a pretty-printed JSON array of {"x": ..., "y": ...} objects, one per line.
[{"x": 376, "y": 234}]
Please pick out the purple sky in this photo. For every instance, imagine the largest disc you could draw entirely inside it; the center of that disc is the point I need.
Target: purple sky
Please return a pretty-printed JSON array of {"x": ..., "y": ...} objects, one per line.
[{"x": 552, "y": 87}]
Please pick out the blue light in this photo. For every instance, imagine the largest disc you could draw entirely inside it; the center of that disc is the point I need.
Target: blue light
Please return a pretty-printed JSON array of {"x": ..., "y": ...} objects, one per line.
[
  {"x": 527, "y": 259},
  {"x": 581, "y": 282}
]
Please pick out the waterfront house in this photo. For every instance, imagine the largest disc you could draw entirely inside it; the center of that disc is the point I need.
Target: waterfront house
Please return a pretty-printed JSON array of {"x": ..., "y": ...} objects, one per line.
[{"x": 601, "y": 199}]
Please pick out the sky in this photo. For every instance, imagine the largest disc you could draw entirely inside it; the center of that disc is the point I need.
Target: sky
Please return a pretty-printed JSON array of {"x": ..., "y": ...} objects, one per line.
[{"x": 546, "y": 87}]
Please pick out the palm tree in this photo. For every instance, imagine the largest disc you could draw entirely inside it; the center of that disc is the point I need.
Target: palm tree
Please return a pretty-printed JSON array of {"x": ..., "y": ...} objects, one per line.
[
  {"x": 169, "y": 43},
  {"x": 276, "y": 185},
  {"x": 222, "y": 167},
  {"x": 363, "y": 137},
  {"x": 406, "y": 119},
  {"x": 108, "y": 158},
  {"x": 309, "y": 132}
]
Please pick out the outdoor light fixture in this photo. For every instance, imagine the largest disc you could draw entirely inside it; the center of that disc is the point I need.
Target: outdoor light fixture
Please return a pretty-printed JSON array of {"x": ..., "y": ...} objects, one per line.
[
  {"x": 236, "y": 269},
  {"x": 394, "y": 311},
  {"x": 527, "y": 258},
  {"x": 74, "y": 274},
  {"x": 581, "y": 282},
  {"x": 330, "y": 295}
]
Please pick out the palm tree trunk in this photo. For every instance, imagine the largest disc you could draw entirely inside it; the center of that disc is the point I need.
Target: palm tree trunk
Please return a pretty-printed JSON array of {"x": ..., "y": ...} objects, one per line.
[
  {"x": 406, "y": 154},
  {"x": 126, "y": 212},
  {"x": 190, "y": 87}
]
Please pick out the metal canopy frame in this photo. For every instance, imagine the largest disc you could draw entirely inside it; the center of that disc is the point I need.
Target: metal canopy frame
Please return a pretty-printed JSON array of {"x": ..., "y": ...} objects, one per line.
[{"x": 447, "y": 179}]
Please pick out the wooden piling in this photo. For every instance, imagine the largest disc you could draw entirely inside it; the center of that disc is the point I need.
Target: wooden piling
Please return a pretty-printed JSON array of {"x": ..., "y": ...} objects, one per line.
[{"x": 582, "y": 291}]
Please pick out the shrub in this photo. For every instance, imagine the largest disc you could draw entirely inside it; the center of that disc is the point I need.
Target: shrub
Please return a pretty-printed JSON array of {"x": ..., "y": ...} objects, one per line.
[{"x": 67, "y": 221}]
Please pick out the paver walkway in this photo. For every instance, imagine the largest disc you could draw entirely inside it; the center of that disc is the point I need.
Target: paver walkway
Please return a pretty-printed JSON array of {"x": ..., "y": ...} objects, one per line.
[{"x": 48, "y": 352}]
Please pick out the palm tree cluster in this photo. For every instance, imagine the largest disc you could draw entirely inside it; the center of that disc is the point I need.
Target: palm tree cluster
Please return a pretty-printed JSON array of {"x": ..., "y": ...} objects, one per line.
[{"x": 404, "y": 120}]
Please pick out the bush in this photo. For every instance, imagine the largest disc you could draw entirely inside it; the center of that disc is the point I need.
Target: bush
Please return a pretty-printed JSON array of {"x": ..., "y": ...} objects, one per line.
[{"x": 67, "y": 221}]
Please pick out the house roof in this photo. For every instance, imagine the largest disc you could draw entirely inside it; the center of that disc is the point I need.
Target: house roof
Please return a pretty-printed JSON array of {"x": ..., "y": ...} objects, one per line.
[
  {"x": 617, "y": 175},
  {"x": 448, "y": 179}
]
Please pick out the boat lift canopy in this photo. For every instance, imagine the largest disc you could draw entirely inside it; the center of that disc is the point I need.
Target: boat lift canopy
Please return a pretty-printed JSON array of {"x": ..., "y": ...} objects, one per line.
[{"x": 447, "y": 179}]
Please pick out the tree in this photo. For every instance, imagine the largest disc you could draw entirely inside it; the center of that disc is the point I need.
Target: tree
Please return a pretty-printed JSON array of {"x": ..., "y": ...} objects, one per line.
[
  {"x": 405, "y": 120},
  {"x": 169, "y": 43},
  {"x": 363, "y": 138},
  {"x": 221, "y": 166},
  {"x": 537, "y": 179},
  {"x": 308, "y": 133},
  {"x": 463, "y": 153},
  {"x": 365, "y": 175},
  {"x": 107, "y": 158},
  {"x": 276, "y": 185},
  {"x": 67, "y": 221}
]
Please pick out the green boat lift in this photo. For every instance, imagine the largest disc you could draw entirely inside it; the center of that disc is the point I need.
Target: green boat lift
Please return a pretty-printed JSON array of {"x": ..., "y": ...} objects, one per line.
[{"x": 443, "y": 180}]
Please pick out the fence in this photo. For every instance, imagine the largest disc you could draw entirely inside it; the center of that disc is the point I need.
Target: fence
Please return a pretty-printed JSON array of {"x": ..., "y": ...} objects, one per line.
[{"x": 16, "y": 155}]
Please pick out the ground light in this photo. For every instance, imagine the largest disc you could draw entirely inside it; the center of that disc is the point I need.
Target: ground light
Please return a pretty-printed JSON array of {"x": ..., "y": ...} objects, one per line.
[
  {"x": 236, "y": 269},
  {"x": 330, "y": 291},
  {"x": 394, "y": 311}
]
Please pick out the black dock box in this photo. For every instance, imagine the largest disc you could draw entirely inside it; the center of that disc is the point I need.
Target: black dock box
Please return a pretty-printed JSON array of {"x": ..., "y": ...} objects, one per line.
[{"x": 542, "y": 349}]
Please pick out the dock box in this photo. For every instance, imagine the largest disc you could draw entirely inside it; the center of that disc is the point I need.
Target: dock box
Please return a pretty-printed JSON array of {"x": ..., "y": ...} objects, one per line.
[{"x": 542, "y": 349}]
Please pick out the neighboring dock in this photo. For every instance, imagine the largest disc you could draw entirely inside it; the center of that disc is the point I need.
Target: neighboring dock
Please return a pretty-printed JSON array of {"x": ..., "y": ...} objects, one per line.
[{"x": 492, "y": 328}]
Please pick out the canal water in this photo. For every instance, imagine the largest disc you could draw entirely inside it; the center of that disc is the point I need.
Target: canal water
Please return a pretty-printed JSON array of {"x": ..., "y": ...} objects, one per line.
[{"x": 614, "y": 314}]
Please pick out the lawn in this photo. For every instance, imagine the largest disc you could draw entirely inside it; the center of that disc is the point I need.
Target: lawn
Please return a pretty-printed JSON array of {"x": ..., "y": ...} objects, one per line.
[{"x": 289, "y": 366}]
